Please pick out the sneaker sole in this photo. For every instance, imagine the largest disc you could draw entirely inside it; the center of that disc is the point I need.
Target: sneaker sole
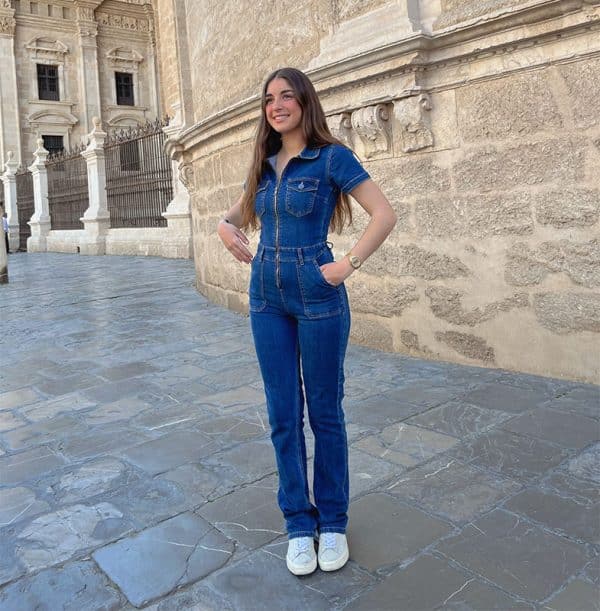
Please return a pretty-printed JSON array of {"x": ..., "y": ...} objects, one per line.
[
  {"x": 336, "y": 564},
  {"x": 302, "y": 569}
]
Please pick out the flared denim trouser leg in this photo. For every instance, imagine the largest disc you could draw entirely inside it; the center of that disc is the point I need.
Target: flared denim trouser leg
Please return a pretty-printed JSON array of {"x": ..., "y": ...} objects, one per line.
[{"x": 300, "y": 325}]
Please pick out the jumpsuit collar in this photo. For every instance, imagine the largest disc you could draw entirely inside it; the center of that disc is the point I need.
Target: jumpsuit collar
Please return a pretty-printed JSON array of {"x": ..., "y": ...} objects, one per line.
[{"x": 305, "y": 153}]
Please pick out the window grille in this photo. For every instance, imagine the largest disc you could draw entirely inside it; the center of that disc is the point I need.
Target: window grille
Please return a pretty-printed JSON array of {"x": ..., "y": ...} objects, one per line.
[
  {"x": 124, "y": 84},
  {"x": 47, "y": 78}
]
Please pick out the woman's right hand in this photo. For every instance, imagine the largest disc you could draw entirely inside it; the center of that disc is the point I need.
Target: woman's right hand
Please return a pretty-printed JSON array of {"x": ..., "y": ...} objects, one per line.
[{"x": 235, "y": 241}]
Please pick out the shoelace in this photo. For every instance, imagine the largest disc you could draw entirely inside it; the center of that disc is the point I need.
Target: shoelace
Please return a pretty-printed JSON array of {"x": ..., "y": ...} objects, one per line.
[
  {"x": 302, "y": 544},
  {"x": 328, "y": 540}
]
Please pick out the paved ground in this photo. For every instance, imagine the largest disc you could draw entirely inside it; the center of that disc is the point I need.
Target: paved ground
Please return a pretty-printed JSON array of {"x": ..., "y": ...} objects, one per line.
[{"x": 136, "y": 467}]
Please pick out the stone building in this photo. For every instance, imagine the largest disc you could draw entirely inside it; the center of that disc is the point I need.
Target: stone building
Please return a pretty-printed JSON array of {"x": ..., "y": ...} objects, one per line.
[
  {"x": 480, "y": 121},
  {"x": 66, "y": 61}
]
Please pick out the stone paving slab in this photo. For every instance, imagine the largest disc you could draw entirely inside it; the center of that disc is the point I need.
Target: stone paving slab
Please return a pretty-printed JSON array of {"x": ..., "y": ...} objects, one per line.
[
  {"x": 136, "y": 468},
  {"x": 414, "y": 588},
  {"x": 74, "y": 587},
  {"x": 514, "y": 554},
  {"x": 177, "y": 552}
]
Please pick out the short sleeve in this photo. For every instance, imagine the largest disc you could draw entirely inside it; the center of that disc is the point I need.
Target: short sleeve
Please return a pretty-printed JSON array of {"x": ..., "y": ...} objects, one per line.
[{"x": 345, "y": 170}]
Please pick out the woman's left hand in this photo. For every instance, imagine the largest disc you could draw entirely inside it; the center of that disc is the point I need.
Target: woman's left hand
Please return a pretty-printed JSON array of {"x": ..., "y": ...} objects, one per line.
[{"x": 335, "y": 273}]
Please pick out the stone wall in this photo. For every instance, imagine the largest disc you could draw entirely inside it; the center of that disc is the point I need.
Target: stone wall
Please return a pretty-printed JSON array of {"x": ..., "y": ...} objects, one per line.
[{"x": 480, "y": 121}]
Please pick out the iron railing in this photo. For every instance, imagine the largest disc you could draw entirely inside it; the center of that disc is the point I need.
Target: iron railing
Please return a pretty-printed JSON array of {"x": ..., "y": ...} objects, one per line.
[
  {"x": 67, "y": 189},
  {"x": 25, "y": 205},
  {"x": 139, "y": 180}
]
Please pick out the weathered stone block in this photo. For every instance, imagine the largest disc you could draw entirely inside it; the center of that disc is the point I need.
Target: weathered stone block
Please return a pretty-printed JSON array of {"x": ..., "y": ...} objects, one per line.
[
  {"x": 568, "y": 208},
  {"x": 513, "y": 106},
  {"x": 402, "y": 177},
  {"x": 474, "y": 217},
  {"x": 568, "y": 312},
  {"x": 371, "y": 333},
  {"x": 579, "y": 260},
  {"x": 388, "y": 301},
  {"x": 446, "y": 304},
  {"x": 529, "y": 163},
  {"x": 456, "y": 11},
  {"x": 583, "y": 82},
  {"x": 412, "y": 260},
  {"x": 468, "y": 345}
]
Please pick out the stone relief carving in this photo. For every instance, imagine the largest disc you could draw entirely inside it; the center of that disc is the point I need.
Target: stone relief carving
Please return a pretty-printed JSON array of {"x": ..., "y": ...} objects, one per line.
[
  {"x": 123, "y": 22},
  {"x": 124, "y": 58},
  {"x": 187, "y": 177},
  {"x": 47, "y": 48},
  {"x": 341, "y": 127},
  {"x": 85, "y": 13},
  {"x": 7, "y": 25},
  {"x": 412, "y": 114},
  {"x": 6, "y": 4},
  {"x": 371, "y": 123}
]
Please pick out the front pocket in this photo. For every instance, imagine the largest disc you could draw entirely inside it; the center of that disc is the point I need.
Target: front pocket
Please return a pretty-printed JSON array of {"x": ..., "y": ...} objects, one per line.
[
  {"x": 260, "y": 198},
  {"x": 319, "y": 297},
  {"x": 256, "y": 291},
  {"x": 300, "y": 196}
]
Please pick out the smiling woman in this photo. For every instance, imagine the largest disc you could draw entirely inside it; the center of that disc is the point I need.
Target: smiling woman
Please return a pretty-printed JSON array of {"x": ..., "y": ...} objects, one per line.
[{"x": 297, "y": 188}]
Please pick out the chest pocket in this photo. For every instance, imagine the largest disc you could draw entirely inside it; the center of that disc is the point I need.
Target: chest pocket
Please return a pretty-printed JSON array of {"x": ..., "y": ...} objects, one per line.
[
  {"x": 260, "y": 198},
  {"x": 301, "y": 195}
]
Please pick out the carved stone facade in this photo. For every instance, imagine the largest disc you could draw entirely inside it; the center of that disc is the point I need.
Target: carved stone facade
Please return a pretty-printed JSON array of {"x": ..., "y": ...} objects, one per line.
[
  {"x": 83, "y": 44},
  {"x": 481, "y": 123}
]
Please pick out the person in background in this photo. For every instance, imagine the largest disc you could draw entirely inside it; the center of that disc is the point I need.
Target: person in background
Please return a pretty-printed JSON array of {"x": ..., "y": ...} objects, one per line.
[{"x": 5, "y": 231}]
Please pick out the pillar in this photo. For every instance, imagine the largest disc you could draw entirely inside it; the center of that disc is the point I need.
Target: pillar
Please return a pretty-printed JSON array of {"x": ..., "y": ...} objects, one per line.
[
  {"x": 40, "y": 221},
  {"x": 10, "y": 201},
  {"x": 96, "y": 219}
]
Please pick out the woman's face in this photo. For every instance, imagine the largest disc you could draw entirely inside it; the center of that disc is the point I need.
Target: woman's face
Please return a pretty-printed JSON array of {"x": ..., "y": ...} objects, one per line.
[{"x": 282, "y": 110}]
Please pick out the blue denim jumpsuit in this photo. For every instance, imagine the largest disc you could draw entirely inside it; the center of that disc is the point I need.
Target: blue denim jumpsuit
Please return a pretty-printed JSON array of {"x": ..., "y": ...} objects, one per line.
[{"x": 300, "y": 325}]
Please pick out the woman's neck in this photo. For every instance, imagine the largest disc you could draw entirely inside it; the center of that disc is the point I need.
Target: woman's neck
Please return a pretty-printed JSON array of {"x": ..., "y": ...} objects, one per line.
[{"x": 292, "y": 144}]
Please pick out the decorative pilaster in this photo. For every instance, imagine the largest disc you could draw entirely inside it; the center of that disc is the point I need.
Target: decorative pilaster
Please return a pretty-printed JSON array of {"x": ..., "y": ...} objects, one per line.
[
  {"x": 178, "y": 243},
  {"x": 10, "y": 200},
  {"x": 88, "y": 68},
  {"x": 96, "y": 219},
  {"x": 40, "y": 221},
  {"x": 10, "y": 132}
]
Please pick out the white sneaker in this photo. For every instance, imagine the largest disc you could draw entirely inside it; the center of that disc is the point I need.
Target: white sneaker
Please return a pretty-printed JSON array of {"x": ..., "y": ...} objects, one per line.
[
  {"x": 333, "y": 551},
  {"x": 301, "y": 558}
]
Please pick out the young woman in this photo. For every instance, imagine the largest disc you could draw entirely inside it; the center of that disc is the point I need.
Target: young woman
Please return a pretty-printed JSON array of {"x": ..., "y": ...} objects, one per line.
[{"x": 297, "y": 189}]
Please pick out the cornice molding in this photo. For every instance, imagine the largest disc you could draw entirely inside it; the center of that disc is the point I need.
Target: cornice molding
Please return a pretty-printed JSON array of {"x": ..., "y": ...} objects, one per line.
[{"x": 420, "y": 53}]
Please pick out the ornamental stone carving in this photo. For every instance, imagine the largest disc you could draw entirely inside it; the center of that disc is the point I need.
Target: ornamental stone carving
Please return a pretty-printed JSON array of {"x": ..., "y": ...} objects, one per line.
[
  {"x": 341, "y": 127},
  {"x": 122, "y": 58},
  {"x": 187, "y": 177},
  {"x": 7, "y": 25},
  {"x": 123, "y": 22},
  {"x": 415, "y": 125},
  {"x": 85, "y": 13},
  {"x": 372, "y": 125},
  {"x": 46, "y": 48}
]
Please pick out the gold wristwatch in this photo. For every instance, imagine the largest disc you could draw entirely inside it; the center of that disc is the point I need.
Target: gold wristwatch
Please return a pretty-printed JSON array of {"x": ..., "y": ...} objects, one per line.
[{"x": 354, "y": 260}]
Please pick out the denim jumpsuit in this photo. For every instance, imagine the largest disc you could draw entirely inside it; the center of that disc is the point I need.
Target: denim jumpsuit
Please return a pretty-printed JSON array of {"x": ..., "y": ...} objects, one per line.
[{"x": 300, "y": 325}]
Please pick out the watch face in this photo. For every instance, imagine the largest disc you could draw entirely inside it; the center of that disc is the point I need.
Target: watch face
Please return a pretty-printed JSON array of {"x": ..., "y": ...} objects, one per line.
[{"x": 355, "y": 261}]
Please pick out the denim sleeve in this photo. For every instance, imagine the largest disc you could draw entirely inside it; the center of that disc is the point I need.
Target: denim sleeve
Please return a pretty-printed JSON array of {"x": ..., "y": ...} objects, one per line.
[{"x": 345, "y": 170}]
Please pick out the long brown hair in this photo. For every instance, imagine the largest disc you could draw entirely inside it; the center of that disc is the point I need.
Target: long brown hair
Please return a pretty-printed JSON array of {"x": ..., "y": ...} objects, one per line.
[{"x": 268, "y": 142}]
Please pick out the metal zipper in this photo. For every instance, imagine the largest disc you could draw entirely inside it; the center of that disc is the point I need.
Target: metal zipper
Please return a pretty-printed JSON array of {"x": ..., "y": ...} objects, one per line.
[{"x": 277, "y": 271}]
